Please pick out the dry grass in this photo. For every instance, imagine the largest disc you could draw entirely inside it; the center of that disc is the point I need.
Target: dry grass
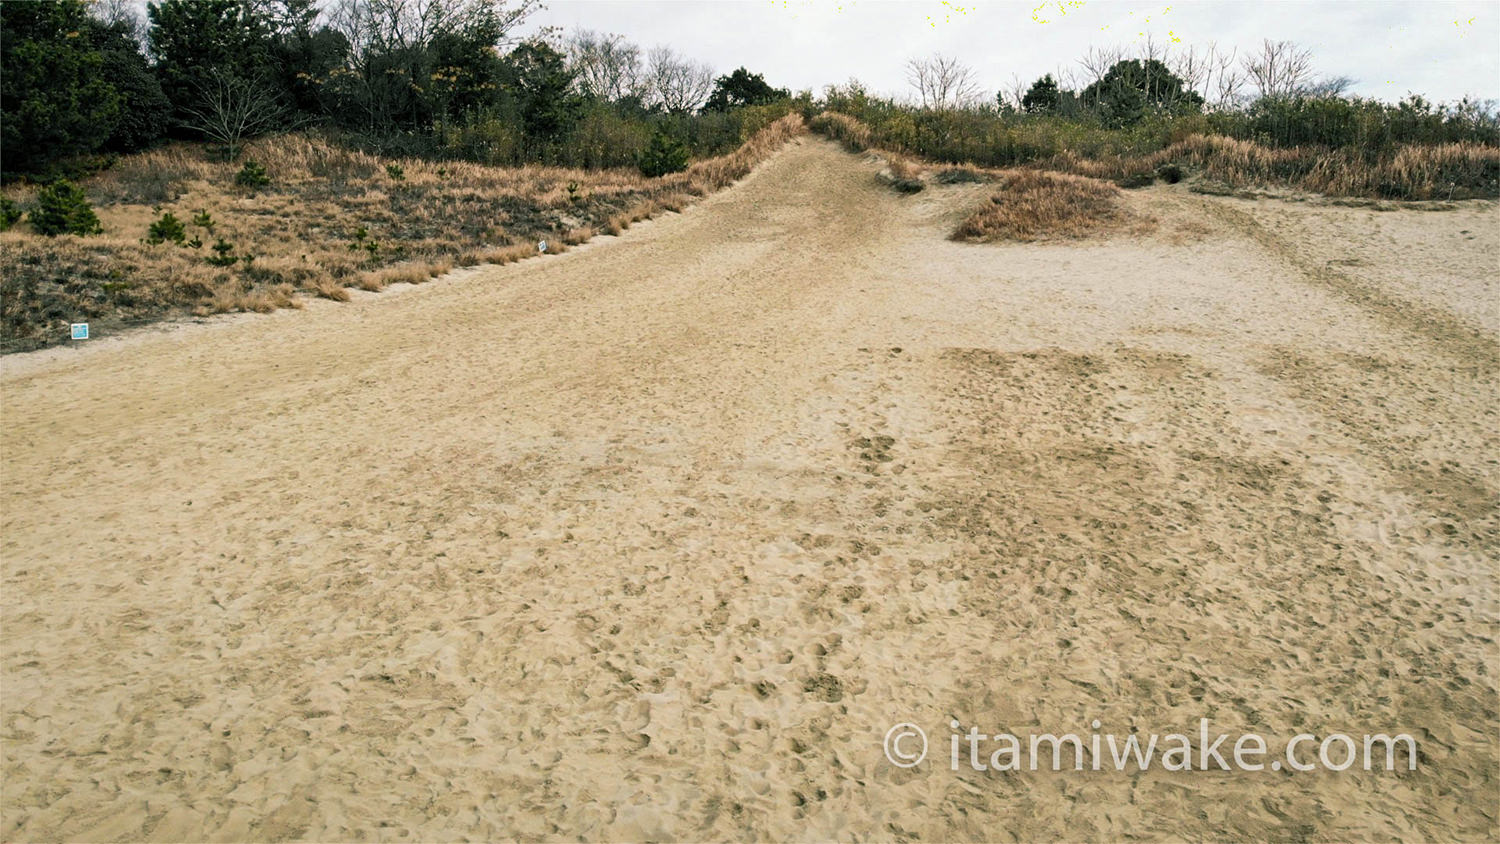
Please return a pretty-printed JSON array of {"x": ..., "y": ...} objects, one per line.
[
  {"x": 854, "y": 135},
  {"x": 1438, "y": 171},
  {"x": 1036, "y": 205},
  {"x": 333, "y": 218},
  {"x": 903, "y": 173},
  {"x": 579, "y": 235}
]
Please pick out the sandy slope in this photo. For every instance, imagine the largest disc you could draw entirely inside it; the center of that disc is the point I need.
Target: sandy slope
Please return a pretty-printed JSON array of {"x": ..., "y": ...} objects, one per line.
[{"x": 657, "y": 538}]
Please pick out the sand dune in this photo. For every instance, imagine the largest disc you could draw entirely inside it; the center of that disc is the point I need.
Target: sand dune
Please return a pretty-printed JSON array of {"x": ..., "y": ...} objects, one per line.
[{"x": 655, "y": 539}]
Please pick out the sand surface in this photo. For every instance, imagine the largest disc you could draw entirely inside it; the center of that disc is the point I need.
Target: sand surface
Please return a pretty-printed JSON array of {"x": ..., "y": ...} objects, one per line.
[{"x": 655, "y": 539}]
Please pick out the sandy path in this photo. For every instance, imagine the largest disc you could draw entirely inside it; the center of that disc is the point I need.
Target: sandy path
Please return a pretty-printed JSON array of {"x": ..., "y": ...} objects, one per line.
[{"x": 655, "y": 539}]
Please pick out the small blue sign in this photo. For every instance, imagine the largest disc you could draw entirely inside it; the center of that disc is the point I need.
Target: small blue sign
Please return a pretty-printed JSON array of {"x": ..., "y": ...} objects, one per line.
[{"x": 80, "y": 331}]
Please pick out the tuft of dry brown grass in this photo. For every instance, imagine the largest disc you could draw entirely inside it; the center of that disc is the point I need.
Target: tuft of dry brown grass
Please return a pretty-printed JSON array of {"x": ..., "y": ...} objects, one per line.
[
  {"x": 333, "y": 218},
  {"x": 327, "y": 288},
  {"x": 903, "y": 173},
  {"x": 1036, "y": 205},
  {"x": 579, "y": 235}
]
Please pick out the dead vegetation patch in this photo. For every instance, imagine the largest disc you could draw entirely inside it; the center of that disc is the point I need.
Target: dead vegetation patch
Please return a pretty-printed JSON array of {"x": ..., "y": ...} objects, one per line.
[{"x": 1034, "y": 205}]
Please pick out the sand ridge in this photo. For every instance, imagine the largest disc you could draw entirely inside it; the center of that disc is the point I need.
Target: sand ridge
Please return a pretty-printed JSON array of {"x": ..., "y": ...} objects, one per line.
[{"x": 655, "y": 539}]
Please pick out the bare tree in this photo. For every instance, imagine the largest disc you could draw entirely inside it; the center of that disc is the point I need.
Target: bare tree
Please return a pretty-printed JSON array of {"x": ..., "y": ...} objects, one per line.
[
  {"x": 381, "y": 34},
  {"x": 1330, "y": 86},
  {"x": 1280, "y": 69},
  {"x": 677, "y": 83},
  {"x": 384, "y": 25},
  {"x": 1153, "y": 50},
  {"x": 1097, "y": 61},
  {"x": 1228, "y": 79},
  {"x": 607, "y": 65},
  {"x": 1013, "y": 92},
  {"x": 230, "y": 108},
  {"x": 122, "y": 13},
  {"x": 942, "y": 81},
  {"x": 1194, "y": 67},
  {"x": 1067, "y": 78}
]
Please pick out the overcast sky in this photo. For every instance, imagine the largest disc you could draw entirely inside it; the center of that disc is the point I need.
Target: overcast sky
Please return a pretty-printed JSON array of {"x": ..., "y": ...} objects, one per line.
[{"x": 1443, "y": 50}]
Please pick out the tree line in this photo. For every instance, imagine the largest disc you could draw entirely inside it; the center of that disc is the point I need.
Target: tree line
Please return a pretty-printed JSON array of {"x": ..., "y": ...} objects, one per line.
[
  {"x": 447, "y": 78},
  {"x": 415, "y": 77}
]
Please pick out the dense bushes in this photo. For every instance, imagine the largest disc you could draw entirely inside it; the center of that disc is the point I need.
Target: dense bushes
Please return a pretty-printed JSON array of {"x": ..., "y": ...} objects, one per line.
[
  {"x": 664, "y": 155},
  {"x": 992, "y": 137},
  {"x": 1340, "y": 146},
  {"x": 57, "y": 102},
  {"x": 10, "y": 214},
  {"x": 1354, "y": 122},
  {"x": 1463, "y": 170}
]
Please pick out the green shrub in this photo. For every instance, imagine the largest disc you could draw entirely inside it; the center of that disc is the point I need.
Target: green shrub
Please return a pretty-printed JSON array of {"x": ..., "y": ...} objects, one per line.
[
  {"x": 9, "y": 213},
  {"x": 165, "y": 229},
  {"x": 396, "y": 172},
  {"x": 252, "y": 175},
  {"x": 62, "y": 208},
  {"x": 223, "y": 254},
  {"x": 663, "y": 155},
  {"x": 204, "y": 220}
]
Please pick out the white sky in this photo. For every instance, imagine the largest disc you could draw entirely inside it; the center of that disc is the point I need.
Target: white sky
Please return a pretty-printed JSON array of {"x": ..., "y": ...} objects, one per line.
[{"x": 1442, "y": 50}]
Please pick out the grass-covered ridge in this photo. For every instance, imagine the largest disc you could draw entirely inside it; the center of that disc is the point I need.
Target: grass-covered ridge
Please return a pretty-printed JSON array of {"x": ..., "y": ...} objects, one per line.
[{"x": 331, "y": 218}]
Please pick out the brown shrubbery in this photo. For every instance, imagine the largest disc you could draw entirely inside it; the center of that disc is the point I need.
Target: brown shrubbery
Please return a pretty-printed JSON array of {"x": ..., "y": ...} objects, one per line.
[
  {"x": 330, "y": 219},
  {"x": 854, "y": 135},
  {"x": 1033, "y": 205}
]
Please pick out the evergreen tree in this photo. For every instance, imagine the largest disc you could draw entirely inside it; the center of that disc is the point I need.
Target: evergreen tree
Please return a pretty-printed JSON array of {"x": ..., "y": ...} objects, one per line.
[
  {"x": 144, "y": 109},
  {"x": 56, "y": 100},
  {"x": 1132, "y": 88},
  {"x": 742, "y": 88},
  {"x": 664, "y": 155},
  {"x": 543, "y": 87},
  {"x": 1043, "y": 97},
  {"x": 197, "y": 41}
]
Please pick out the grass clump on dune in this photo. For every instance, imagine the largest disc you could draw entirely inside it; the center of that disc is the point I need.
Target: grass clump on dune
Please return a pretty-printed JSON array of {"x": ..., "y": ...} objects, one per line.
[{"x": 1035, "y": 205}]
